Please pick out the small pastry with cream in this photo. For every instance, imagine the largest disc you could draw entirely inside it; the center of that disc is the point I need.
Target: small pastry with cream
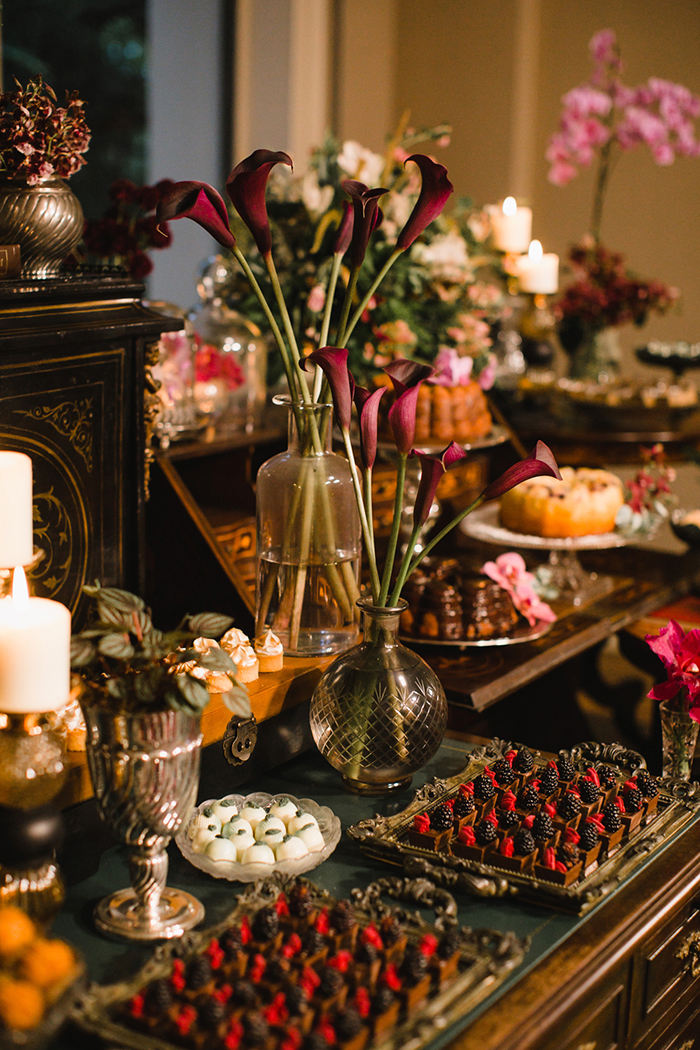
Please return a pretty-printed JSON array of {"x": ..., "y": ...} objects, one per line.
[
  {"x": 247, "y": 664},
  {"x": 233, "y": 638},
  {"x": 269, "y": 651}
]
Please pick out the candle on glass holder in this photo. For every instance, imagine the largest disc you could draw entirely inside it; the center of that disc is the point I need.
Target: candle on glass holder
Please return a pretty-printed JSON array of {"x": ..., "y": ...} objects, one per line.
[
  {"x": 34, "y": 651},
  {"x": 538, "y": 272},
  {"x": 16, "y": 529},
  {"x": 511, "y": 225}
]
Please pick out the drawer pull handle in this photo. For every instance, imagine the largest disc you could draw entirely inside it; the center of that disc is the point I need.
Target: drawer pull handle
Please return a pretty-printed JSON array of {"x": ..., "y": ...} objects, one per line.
[
  {"x": 688, "y": 1045},
  {"x": 690, "y": 951},
  {"x": 587, "y": 1046}
]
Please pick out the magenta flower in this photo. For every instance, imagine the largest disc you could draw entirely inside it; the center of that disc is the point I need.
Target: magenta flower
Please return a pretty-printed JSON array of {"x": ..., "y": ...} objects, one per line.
[
  {"x": 510, "y": 572},
  {"x": 367, "y": 405},
  {"x": 333, "y": 362},
  {"x": 435, "y": 189},
  {"x": 431, "y": 470},
  {"x": 540, "y": 462},
  {"x": 679, "y": 652},
  {"x": 366, "y": 217},
  {"x": 246, "y": 187},
  {"x": 407, "y": 377},
  {"x": 200, "y": 202},
  {"x": 343, "y": 236}
]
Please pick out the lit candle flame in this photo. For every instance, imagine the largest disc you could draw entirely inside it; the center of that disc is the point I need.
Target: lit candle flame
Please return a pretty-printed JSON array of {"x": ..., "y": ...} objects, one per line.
[
  {"x": 510, "y": 206},
  {"x": 535, "y": 251},
  {"x": 20, "y": 591}
]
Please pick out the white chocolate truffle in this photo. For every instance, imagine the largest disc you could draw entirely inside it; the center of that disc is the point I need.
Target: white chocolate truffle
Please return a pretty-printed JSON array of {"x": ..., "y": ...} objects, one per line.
[
  {"x": 253, "y": 814},
  {"x": 271, "y": 837},
  {"x": 283, "y": 808},
  {"x": 224, "y": 809},
  {"x": 221, "y": 849},
  {"x": 300, "y": 821},
  {"x": 241, "y": 838},
  {"x": 197, "y": 822},
  {"x": 291, "y": 848},
  {"x": 234, "y": 825},
  {"x": 311, "y": 836},
  {"x": 268, "y": 823},
  {"x": 258, "y": 853},
  {"x": 211, "y": 816},
  {"x": 203, "y": 836}
]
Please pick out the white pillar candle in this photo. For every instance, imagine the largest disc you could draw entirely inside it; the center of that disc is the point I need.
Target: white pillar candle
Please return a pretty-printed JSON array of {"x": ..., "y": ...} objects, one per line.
[
  {"x": 538, "y": 272},
  {"x": 511, "y": 225},
  {"x": 34, "y": 652},
  {"x": 16, "y": 530}
]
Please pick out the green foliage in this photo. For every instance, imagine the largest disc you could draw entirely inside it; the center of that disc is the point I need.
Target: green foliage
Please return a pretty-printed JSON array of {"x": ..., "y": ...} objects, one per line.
[{"x": 124, "y": 659}]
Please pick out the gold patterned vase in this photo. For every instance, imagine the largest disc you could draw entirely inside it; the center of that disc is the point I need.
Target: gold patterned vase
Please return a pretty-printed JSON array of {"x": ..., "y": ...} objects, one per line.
[
  {"x": 379, "y": 712},
  {"x": 45, "y": 220}
]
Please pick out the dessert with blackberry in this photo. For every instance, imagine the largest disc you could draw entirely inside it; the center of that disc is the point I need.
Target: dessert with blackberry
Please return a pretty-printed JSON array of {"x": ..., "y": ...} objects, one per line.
[
  {"x": 634, "y": 806},
  {"x": 589, "y": 793},
  {"x": 472, "y": 843},
  {"x": 432, "y": 830},
  {"x": 393, "y": 937},
  {"x": 649, "y": 789},
  {"x": 443, "y": 962},
  {"x": 588, "y": 842},
  {"x": 565, "y": 769},
  {"x": 414, "y": 976},
  {"x": 463, "y": 811},
  {"x": 568, "y": 811},
  {"x": 548, "y": 778},
  {"x": 350, "y": 1031},
  {"x": 611, "y": 835},
  {"x": 503, "y": 774},
  {"x": 529, "y": 797},
  {"x": 484, "y": 793},
  {"x": 343, "y": 924},
  {"x": 543, "y": 831},
  {"x": 523, "y": 762},
  {"x": 384, "y": 1010},
  {"x": 515, "y": 852}
]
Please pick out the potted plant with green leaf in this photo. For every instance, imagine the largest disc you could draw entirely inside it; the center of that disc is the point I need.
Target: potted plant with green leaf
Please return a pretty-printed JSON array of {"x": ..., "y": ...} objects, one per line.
[{"x": 143, "y": 692}]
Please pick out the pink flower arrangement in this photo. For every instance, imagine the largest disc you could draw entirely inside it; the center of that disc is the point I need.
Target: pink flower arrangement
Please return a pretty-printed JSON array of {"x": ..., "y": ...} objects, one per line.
[
  {"x": 39, "y": 138},
  {"x": 679, "y": 651},
  {"x": 509, "y": 571},
  {"x": 210, "y": 364},
  {"x": 603, "y": 116}
]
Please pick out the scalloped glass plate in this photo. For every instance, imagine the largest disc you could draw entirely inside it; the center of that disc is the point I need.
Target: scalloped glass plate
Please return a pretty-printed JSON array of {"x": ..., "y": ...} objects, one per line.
[{"x": 234, "y": 871}]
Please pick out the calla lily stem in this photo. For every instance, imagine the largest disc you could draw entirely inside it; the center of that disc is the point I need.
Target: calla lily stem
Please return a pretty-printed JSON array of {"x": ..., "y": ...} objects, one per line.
[
  {"x": 347, "y": 332},
  {"x": 395, "y": 528}
]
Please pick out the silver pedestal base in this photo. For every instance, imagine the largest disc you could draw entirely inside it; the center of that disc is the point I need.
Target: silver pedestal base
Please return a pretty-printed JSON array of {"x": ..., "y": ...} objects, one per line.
[{"x": 123, "y": 916}]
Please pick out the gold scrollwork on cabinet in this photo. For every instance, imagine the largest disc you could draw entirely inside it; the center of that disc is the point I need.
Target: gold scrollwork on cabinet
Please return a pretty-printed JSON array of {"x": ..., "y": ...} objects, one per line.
[
  {"x": 690, "y": 951},
  {"x": 53, "y": 534},
  {"x": 72, "y": 419},
  {"x": 151, "y": 407}
]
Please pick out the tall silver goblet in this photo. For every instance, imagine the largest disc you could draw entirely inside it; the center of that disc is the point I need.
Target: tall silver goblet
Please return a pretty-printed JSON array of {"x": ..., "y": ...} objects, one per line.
[{"x": 145, "y": 772}]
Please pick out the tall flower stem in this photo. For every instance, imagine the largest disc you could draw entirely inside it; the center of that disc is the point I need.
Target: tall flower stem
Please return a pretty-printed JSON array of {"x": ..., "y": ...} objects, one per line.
[
  {"x": 409, "y": 565},
  {"x": 346, "y": 332},
  {"x": 395, "y": 529},
  {"x": 341, "y": 336},
  {"x": 605, "y": 166},
  {"x": 326, "y": 324},
  {"x": 365, "y": 522}
]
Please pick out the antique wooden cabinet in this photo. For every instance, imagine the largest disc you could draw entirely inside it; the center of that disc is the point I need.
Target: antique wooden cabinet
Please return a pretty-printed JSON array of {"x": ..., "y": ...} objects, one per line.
[{"x": 73, "y": 396}]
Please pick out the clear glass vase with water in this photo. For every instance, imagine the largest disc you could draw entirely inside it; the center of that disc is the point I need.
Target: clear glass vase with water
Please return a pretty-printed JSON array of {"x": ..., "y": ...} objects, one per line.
[{"x": 308, "y": 539}]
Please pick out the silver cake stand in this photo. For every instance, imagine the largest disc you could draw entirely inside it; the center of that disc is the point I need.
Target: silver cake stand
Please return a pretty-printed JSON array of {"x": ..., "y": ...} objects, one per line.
[{"x": 568, "y": 575}]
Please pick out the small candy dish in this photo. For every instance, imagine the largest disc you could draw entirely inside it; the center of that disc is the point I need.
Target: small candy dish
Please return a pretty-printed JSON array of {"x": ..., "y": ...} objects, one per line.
[{"x": 328, "y": 832}]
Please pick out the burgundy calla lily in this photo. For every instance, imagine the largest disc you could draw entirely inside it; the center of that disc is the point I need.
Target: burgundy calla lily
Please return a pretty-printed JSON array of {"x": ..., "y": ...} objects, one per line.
[
  {"x": 431, "y": 470},
  {"x": 366, "y": 217},
  {"x": 367, "y": 405},
  {"x": 201, "y": 203},
  {"x": 407, "y": 377},
  {"x": 333, "y": 361},
  {"x": 435, "y": 189},
  {"x": 246, "y": 187},
  {"x": 540, "y": 462},
  {"x": 344, "y": 233}
]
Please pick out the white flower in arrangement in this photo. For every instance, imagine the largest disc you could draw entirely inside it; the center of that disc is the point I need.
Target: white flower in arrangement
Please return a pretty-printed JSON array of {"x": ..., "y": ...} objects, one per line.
[
  {"x": 446, "y": 257},
  {"x": 361, "y": 163},
  {"x": 317, "y": 199},
  {"x": 397, "y": 207},
  {"x": 479, "y": 223}
]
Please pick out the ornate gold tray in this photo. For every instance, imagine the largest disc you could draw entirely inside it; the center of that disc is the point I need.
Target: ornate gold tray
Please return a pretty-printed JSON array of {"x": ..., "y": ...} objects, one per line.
[
  {"x": 384, "y": 838},
  {"x": 486, "y": 957}
]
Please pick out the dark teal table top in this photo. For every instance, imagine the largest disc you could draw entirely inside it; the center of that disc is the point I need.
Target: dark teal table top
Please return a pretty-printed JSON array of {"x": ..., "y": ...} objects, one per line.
[{"x": 306, "y": 776}]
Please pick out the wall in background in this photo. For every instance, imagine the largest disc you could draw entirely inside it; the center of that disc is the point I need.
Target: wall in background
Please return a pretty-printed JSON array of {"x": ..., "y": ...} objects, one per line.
[{"x": 495, "y": 69}]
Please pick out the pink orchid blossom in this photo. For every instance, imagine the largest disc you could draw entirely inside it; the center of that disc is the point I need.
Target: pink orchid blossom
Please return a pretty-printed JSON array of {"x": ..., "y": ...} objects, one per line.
[
  {"x": 452, "y": 369},
  {"x": 509, "y": 571},
  {"x": 679, "y": 652}
]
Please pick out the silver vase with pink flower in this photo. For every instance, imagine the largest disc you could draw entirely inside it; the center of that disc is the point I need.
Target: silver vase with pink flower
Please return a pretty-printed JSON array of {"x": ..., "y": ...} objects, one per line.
[{"x": 678, "y": 696}]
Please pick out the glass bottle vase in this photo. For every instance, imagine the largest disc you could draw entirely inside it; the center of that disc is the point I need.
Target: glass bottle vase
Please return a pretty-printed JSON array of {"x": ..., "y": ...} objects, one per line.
[
  {"x": 679, "y": 735},
  {"x": 379, "y": 712},
  {"x": 308, "y": 539}
]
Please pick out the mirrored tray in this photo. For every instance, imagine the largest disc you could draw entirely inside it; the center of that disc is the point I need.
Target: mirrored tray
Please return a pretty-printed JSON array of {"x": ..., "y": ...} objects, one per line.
[
  {"x": 328, "y": 823},
  {"x": 484, "y": 958},
  {"x": 484, "y": 524},
  {"x": 385, "y": 838},
  {"x": 524, "y": 633}
]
